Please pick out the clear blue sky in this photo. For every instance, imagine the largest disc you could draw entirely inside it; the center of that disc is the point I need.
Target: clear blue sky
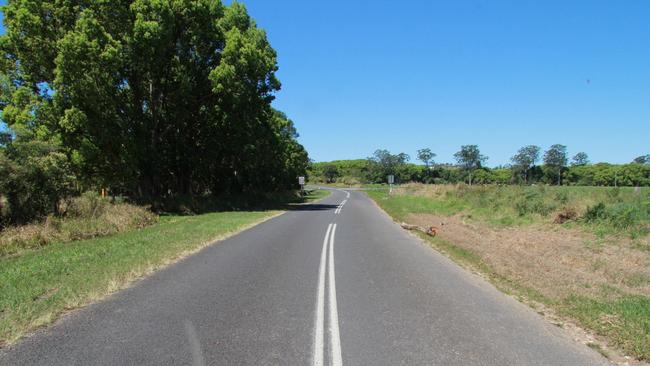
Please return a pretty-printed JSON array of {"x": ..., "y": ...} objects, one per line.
[{"x": 362, "y": 75}]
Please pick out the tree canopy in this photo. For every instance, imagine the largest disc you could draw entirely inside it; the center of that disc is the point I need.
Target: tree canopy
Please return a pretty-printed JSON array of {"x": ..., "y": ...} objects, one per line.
[
  {"x": 556, "y": 159},
  {"x": 147, "y": 97},
  {"x": 470, "y": 158},
  {"x": 526, "y": 158},
  {"x": 580, "y": 159}
]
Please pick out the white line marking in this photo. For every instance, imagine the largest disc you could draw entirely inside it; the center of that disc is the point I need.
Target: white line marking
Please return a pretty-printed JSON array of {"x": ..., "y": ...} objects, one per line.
[
  {"x": 195, "y": 344},
  {"x": 335, "y": 339},
  {"x": 340, "y": 207},
  {"x": 320, "y": 305}
]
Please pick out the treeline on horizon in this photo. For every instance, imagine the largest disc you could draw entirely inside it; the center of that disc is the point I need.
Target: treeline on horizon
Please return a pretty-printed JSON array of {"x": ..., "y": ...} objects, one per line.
[
  {"x": 528, "y": 166},
  {"x": 149, "y": 99}
]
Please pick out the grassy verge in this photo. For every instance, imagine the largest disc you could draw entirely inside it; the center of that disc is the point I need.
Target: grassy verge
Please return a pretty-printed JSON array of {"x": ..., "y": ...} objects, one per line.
[
  {"x": 606, "y": 289},
  {"x": 39, "y": 285},
  {"x": 84, "y": 217}
]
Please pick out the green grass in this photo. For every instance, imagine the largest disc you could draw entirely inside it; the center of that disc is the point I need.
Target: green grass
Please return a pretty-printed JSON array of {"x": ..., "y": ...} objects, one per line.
[
  {"x": 625, "y": 321},
  {"x": 316, "y": 194},
  {"x": 599, "y": 209},
  {"x": 39, "y": 285}
]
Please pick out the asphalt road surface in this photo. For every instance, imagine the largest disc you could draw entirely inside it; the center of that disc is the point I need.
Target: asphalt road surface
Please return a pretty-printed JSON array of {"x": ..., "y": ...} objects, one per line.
[{"x": 330, "y": 283}]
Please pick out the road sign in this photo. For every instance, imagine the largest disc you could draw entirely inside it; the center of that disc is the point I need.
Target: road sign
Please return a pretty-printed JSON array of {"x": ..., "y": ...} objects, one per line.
[
  {"x": 391, "y": 180},
  {"x": 301, "y": 181}
]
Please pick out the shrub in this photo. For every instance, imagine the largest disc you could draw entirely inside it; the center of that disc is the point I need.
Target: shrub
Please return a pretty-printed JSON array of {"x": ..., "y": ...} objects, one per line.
[
  {"x": 595, "y": 213},
  {"x": 532, "y": 202},
  {"x": 622, "y": 215},
  {"x": 85, "y": 217}
]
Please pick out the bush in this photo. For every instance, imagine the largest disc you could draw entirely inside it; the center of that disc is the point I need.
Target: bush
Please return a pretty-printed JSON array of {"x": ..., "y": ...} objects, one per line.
[
  {"x": 622, "y": 215},
  {"x": 532, "y": 202},
  {"x": 85, "y": 217},
  {"x": 595, "y": 213},
  {"x": 33, "y": 181}
]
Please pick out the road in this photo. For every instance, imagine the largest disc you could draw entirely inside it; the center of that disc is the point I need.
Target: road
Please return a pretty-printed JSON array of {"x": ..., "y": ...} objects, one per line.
[{"x": 330, "y": 283}]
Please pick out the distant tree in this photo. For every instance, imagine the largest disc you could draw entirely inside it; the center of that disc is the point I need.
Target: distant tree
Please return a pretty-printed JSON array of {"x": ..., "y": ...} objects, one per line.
[
  {"x": 643, "y": 159},
  {"x": 426, "y": 156},
  {"x": 469, "y": 158},
  {"x": 580, "y": 159},
  {"x": 384, "y": 163},
  {"x": 526, "y": 158},
  {"x": 331, "y": 172},
  {"x": 556, "y": 159}
]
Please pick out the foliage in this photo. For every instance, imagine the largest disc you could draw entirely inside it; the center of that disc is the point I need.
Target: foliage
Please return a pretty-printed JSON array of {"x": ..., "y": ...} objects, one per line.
[
  {"x": 555, "y": 159},
  {"x": 383, "y": 163},
  {"x": 469, "y": 158},
  {"x": 426, "y": 156},
  {"x": 643, "y": 159},
  {"x": 580, "y": 159},
  {"x": 83, "y": 217},
  {"x": 525, "y": 159},
  {"x": 331, "y": 172},
  {"x": 150, "y": 98}
]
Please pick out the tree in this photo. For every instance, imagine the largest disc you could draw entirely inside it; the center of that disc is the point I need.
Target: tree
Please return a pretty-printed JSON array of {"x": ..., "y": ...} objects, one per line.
[
  {"x": 384, "y": 163},
  {"x": 330, "y": 172},
  {"x": 469, "y": 158},
  {"x": 151, "y": 97},
  {"x": 556, "y": 159},
  {"x": 525, "y": 159},
  {"x": 426, "y": 156},
  {"x": 643, "y": 159},
  {"x": 580, "y": 159}
]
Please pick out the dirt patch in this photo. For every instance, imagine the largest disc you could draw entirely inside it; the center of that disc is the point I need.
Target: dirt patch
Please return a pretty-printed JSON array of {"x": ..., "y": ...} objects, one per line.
[{"x": 556, "y": 261}]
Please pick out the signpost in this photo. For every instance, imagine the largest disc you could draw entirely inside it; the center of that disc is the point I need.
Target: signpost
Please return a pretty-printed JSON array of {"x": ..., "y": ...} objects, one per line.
[
  {"x": 391, "y": 180},
  {"x": 301, "y": 181}
]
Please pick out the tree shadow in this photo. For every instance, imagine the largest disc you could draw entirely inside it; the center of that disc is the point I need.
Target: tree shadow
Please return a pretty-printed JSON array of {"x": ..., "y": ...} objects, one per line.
[{"x": 193, "y": 205}]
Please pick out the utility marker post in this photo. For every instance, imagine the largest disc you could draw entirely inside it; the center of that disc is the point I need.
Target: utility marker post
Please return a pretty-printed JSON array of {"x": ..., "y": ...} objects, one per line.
[
  {"x": 391, "y": 180},
  {"x": 301, "y": 181}
]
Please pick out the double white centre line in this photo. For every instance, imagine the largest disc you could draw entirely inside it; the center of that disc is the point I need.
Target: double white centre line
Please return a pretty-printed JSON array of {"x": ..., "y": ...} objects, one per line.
[
  {"x": 340, "y": 207},
  {"x": 327, "y": 255}
]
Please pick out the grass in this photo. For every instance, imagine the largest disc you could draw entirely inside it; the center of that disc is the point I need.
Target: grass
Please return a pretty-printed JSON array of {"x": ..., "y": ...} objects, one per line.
[
  {"x": 602, "y": 210},
  {"x": 625, "y": 321},
  {"x": 38, "y": 286},
  {"x": 619, "y": 311},
  {"x": 84, "y": 217}
]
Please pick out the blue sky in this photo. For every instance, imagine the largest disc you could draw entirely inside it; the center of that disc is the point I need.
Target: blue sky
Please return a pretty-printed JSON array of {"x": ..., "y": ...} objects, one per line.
[{"x": 362, "y": 75}]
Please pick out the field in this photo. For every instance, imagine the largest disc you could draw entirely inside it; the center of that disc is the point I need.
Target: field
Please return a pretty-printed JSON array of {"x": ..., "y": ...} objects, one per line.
[
  {"x": 580, "y": 253},
  {"x": 38, "y": 284}
]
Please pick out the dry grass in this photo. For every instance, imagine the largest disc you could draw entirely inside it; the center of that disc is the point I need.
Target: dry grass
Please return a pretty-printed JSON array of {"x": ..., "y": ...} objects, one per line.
[
  {"x": 84, "y": 217},
  {"x": 556, "y": 261}
]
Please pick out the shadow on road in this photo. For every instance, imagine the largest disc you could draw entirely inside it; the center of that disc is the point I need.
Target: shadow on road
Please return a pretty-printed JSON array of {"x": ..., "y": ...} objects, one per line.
[{"x": 310, "y": 207}]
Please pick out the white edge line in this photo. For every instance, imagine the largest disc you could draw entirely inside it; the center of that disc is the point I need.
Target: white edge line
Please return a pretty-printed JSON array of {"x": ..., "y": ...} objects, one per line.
[
  {"x": 335, "y": 339},
  {"x": 320, "y": 305}
]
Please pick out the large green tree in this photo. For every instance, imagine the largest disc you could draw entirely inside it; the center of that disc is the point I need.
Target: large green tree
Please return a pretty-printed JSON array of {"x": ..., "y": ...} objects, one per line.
[{"x": 154, "y": 97}]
